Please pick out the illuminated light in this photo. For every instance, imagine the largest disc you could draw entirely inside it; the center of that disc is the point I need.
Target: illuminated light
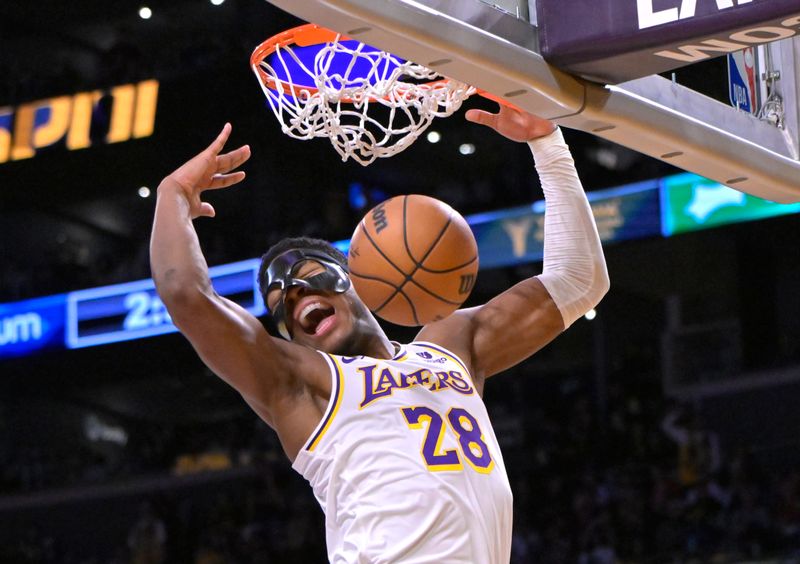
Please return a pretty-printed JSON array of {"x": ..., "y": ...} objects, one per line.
[
  {"x": 96, "y": 430},
  {"x": 43, "y": 123},
  {"x": 21, "y": 147},
  {"x": 144, "y": 118},
  {"x": 83, "y": 105},
  {"x": 121, "y": 113},
  {"x": 217, "y": 2},
  {"x": 133, "y": 310},
  {"x": 591, "y": 314},
  {"x": 6, "y": 123},
  {"x": 145, "y": 13},
  {"x": 144, "y": 192},
  {"x": 607, "y": 158},
  {"x": 433, "y": 137},
  {"x": 466, "y": 149},
  {"x": 57, "y": 124},
  {"x": 20, "y": 328},
  {"x": 39, "y": 124}
]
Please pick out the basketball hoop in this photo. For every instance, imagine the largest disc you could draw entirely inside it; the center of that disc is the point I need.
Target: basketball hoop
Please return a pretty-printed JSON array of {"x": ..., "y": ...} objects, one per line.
[{"x": 369, "y": 103}]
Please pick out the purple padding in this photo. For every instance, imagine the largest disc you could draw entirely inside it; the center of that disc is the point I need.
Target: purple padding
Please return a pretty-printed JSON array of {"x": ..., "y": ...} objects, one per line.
[{"x": 611, "y": 41}]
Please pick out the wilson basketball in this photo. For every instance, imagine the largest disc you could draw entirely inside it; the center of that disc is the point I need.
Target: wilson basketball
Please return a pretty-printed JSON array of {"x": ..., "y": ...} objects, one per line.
[{"x": 413, "y": 260}]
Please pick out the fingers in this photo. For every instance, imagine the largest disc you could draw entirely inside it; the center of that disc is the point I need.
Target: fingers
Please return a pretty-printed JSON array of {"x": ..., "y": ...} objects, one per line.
[
  {"x": 508, "y": 106},
  {"x": 232, "y": 160},
  {"x": 483, "y": 118},
  {"x": 206, "y": 210},
  {"x": 510, "y": 109},
  {"x": 224, "y": 180},
  {"x": 218, "y": 143}
]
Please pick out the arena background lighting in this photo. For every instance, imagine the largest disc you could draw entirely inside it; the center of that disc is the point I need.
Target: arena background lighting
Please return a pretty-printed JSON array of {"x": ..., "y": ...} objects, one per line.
[{"x": 123, "y": 312}]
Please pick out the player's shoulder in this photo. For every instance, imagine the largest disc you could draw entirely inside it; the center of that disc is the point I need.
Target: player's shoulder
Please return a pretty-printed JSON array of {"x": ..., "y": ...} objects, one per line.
[
  {"x": 302, "y": 366},
  {"x": 453, "y": 334},
  {"x": 433, "y": 352}
]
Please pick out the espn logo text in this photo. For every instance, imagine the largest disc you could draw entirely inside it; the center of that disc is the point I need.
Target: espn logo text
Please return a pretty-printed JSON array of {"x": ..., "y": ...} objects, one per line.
[{"x": 129, "y": 110}]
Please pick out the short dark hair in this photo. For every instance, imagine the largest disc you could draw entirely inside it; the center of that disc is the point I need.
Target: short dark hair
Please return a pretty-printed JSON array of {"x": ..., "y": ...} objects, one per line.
[{"x": 296, "y": 243}]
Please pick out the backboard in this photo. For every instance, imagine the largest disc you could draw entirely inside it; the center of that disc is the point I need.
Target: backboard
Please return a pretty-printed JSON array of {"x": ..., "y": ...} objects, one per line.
[{"x": 496, "y": 47}]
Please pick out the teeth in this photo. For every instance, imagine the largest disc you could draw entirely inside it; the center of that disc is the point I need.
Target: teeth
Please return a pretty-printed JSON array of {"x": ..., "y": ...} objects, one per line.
[{"x": 308, "y": 309}]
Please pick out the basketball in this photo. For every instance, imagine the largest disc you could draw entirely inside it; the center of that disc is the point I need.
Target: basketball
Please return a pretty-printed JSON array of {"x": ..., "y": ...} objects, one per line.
[{"x": 413, "y": 260}]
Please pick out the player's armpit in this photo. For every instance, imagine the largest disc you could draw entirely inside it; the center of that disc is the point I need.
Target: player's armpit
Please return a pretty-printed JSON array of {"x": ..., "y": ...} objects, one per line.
[{"x": 235, "y": 346}]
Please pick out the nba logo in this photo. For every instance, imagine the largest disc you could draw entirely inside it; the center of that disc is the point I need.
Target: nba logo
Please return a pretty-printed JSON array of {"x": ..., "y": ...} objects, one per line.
[{"x": 743, "y": 87}]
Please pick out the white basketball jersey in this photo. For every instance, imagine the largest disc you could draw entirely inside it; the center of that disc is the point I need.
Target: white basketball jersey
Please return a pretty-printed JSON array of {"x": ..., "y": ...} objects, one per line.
[{"x": 405, "y": 463}]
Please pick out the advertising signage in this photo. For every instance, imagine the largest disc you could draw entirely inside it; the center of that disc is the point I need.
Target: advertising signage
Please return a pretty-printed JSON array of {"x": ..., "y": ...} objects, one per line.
[
  {"x": 110, "y": 314},
  {"x": 690, "y": 203},
  {"x": 32, "y": 325},
  {"x": 129, "y": 110},
  {"x": 611, "y": 41},
  {"x": 517, "y": 235}
]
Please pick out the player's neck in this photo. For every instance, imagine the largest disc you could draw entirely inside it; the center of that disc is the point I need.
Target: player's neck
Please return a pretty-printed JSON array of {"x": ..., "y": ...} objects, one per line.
[
  {"x": 369, "y": 341},
  {"x": 379, "y": 346},
  {"x": 374, "y": 342}
]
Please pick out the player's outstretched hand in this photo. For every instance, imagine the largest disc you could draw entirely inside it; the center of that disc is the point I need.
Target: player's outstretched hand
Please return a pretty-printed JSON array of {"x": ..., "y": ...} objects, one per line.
[
  {"x": 513, "y": 123},
  {"x": 209, "y": 170}
]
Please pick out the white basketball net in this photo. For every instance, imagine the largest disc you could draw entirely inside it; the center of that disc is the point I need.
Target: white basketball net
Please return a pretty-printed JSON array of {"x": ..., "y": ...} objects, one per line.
[{"x": 365, "y": 116}]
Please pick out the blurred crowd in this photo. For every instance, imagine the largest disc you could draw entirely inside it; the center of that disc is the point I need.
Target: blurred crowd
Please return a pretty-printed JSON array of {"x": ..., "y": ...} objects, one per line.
[
  {"x": 648, "y": 485},
  {"x": 644, "y": 481}
]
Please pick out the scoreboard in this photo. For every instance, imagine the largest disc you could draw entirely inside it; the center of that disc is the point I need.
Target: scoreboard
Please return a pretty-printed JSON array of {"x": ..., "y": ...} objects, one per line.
[{"x": 111, "y": 314}]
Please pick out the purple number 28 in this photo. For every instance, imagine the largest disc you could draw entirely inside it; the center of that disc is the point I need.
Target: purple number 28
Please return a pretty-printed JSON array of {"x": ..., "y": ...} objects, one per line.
[{"x": 464, "y": 425}]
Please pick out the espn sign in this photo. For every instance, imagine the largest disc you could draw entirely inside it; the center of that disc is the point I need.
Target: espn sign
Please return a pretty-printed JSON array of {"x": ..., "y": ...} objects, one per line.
[
  {"x": 611, "y": 41},
  {"x": 128, "y": 110}
]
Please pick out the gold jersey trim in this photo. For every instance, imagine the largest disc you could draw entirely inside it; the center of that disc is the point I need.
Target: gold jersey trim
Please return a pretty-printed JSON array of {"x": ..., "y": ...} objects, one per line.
[{"x": 333, "y": 406}]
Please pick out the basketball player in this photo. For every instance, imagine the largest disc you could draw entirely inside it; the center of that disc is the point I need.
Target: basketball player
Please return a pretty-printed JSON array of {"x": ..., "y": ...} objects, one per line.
[{"x": 393, "y": 438}]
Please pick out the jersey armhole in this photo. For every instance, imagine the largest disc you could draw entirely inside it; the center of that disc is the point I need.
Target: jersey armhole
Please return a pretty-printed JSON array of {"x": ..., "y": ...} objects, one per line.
[
  {"x": 443, "y": 351},
  {"x": 335, "y": 401}
]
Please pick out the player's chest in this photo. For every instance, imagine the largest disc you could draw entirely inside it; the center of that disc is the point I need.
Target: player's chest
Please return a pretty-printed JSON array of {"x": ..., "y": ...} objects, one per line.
[{"x": 372, "y": 383}]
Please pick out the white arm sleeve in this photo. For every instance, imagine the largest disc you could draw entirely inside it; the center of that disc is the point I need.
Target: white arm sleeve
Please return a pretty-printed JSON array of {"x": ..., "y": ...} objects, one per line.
[{"x": 574, "y": 270}]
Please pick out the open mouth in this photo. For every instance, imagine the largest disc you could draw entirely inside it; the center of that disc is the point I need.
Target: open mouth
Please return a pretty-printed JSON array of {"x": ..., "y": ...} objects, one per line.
[{"x": 312, "y": 317}]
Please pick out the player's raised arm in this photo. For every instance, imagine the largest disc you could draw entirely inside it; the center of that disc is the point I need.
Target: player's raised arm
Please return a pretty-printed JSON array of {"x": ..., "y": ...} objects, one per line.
[
  {"x": 523, "y": 319},
  {"x": 230, "y": 341}
]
